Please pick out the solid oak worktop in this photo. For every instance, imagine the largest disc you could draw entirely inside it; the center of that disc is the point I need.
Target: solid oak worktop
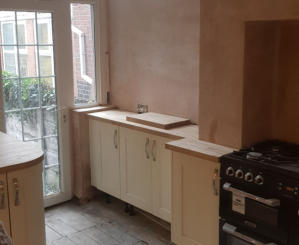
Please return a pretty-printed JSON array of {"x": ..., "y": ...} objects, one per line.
[
  {"x": 199, "y": 148},
  {"x": 15, "y": 154},
  {"x": 119, "y": 117},
  {"x": 185, "y": 137}
]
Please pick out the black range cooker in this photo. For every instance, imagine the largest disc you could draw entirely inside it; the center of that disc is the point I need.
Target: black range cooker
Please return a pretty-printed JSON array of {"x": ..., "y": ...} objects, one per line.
[{"x": 259, "y": 197}]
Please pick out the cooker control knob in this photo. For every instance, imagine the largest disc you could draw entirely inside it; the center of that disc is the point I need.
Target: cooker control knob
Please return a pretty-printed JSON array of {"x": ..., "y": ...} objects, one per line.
[
  {"x": 239, "y": 174},
  {"x": 259, "y": 180},
  {"x": 249, "y": 177},
  {"x": 230, "y": 171}
]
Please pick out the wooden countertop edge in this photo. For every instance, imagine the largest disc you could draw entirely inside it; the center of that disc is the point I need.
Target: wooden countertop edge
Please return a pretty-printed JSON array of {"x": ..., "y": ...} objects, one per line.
[
  {"x": 94, "y": 109},
  {"x": 22, "y": 165},
  {"x": 141, "y": 128},
  {"x": 189, "y": 152}
]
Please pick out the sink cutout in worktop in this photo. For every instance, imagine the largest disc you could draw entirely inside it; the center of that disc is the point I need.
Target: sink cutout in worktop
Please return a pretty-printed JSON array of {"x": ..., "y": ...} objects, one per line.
[{"x": 158, "y": 120}]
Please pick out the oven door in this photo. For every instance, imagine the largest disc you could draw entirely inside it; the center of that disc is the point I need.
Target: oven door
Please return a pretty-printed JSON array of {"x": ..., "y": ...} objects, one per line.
[
  {"x": 233, "y": 235},
  {"x": 257, "y": 214}
]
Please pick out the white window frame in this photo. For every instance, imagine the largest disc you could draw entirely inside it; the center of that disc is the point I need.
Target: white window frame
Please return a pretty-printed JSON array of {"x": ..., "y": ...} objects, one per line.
[{"x": 100, "y": 50}]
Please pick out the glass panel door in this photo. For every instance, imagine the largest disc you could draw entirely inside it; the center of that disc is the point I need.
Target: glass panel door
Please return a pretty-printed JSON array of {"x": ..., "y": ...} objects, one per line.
[{"x": 29, "y": 91}]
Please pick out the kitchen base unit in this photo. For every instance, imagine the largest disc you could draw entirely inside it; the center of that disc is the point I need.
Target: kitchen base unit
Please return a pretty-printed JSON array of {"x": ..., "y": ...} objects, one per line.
[
  {"x": 131, "y": 165},
  {"x": 195, "y": 200},
  {"x": 21, "y": 191}
]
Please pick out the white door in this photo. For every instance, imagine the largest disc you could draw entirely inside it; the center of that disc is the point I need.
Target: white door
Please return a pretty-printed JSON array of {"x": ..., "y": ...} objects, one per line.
[
  {"x": 136, "y": 168},
  {"x": 29, "y": 92}
]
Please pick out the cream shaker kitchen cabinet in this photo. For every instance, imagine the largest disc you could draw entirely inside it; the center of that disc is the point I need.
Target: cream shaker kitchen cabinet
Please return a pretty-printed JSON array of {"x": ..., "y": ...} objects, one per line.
[
  {"x": 136, "y": 168},
  {"x": 131, "y": 165},
  {"x": 95, "y": 154},
  {"x": 26, "y": 206},
  {"x": 21, "y": 205},
  {"x": 146, "y": 172},
  {"x": 161, "y": 178},
  {"x": 104, "y": 156},
  {"x": 4, "y": 207},
  {"x": 195, "y": 200}
]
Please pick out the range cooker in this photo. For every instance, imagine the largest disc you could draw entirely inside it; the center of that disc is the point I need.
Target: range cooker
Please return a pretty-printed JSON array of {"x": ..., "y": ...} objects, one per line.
[{"x": 259, "y": 197}]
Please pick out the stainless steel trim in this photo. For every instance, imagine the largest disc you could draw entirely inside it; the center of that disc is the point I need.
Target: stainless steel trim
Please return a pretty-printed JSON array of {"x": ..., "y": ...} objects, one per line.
[
  {"x": 215, "y": 186},
  {"x": 154, "y": 149},
  {"x": 232, "y": 230},
  {"x": 270, "y": 202},
  {"x": 2, "y": 191},
  {"x": 115, "y": 139},
  {"x": 17, "y": 191},
  {"x": 146, "y": 148}
]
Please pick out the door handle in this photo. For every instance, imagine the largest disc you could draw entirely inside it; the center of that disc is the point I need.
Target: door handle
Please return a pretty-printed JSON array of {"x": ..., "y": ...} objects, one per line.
[
  {"x": 115, "y": 139},
  {"x": 146, "y": 148},
  {"x": 2, "y": 194},
  {"x": 232, "y": 230},
  {"x": 215, "y": 184},
  {"x": 269, "y": 202},
  {"x": 17, "y": 191},
  {"x": 153, "y": 150}
]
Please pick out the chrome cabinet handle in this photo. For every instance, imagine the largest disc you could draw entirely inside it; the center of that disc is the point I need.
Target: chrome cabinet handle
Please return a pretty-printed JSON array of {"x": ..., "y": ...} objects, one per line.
[
  {"x": 269, "y": 202},
  {"x": 215, "y": 184},
  {"x": 146, "y": 148},
  {"x": 2, "y": 194},
  {"x": 115, "y": 139},
  {"x": 17, "y": 191},
  {"x": 232, "y": 230},
  {"x": 154, "y": 150}
]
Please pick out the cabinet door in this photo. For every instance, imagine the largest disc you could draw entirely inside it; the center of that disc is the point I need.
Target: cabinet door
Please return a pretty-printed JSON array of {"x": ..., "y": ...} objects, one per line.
[
  {"x": 161, "y": 178},
  {"x": 4, "y": 208},
  {"x": 136, "y": 167},
  {"x": 26, "y": 206},
  {"x": 109, "y": 159},
  {"x": 95, "y": 152},
  {"x": 195, "y": 204}
]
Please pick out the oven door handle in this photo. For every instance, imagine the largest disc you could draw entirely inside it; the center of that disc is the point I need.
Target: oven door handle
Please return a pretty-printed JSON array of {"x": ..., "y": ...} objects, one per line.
[
  {"x": 269, "y": 202},
  {"x": 232, "y": 230}
]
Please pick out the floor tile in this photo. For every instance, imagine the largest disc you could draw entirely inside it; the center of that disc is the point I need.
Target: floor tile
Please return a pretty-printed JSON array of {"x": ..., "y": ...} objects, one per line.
[
  {"x": 51, "y": 235},
  {"x": 59, "y": 226},
  {"x": 80, "y": 238},
  {"x": 99, "y": 223},
  {"x": 65, "y": 241}
]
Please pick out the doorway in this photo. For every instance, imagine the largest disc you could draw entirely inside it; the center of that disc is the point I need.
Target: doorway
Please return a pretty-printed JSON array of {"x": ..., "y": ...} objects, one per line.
[{"x": 29, "y": 89}]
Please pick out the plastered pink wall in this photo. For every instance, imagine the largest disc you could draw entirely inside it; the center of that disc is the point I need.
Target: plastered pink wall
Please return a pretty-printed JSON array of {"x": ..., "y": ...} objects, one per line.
[
  {"x": 154, "y": 60},
  {"x": 222, "y": 71}
]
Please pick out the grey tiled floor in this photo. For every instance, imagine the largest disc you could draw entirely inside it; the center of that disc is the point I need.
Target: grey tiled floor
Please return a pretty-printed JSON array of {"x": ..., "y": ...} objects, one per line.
[{"x": 99, "y": 223}]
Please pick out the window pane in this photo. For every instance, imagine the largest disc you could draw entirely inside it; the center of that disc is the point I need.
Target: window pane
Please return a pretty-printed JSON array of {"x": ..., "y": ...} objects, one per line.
[
  {"x": 30, "y": 93},
  {"x": 13, "y": 124},
  {"x": 11, "y": 94},
  {"x": 8, "y": 34},
  {"x": 26, "y": 28},
  {"x": 50, "y": 121},
  {"x": 48, "y": 94},
  {"x": 46, "y": 62},
  {"x": 28, "y": 64},
  {"x": 21, "y": 34},
  {"x": 10, "y": 63},
  {"x": 23, "y": 65},
  {"x": 51, "y": 150},
  {"x": 32, "y": 124},
  {"x": 44, "y": 29},
  {"x": 83, "y": 53},
  {"x": 51, "y": 181}
]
